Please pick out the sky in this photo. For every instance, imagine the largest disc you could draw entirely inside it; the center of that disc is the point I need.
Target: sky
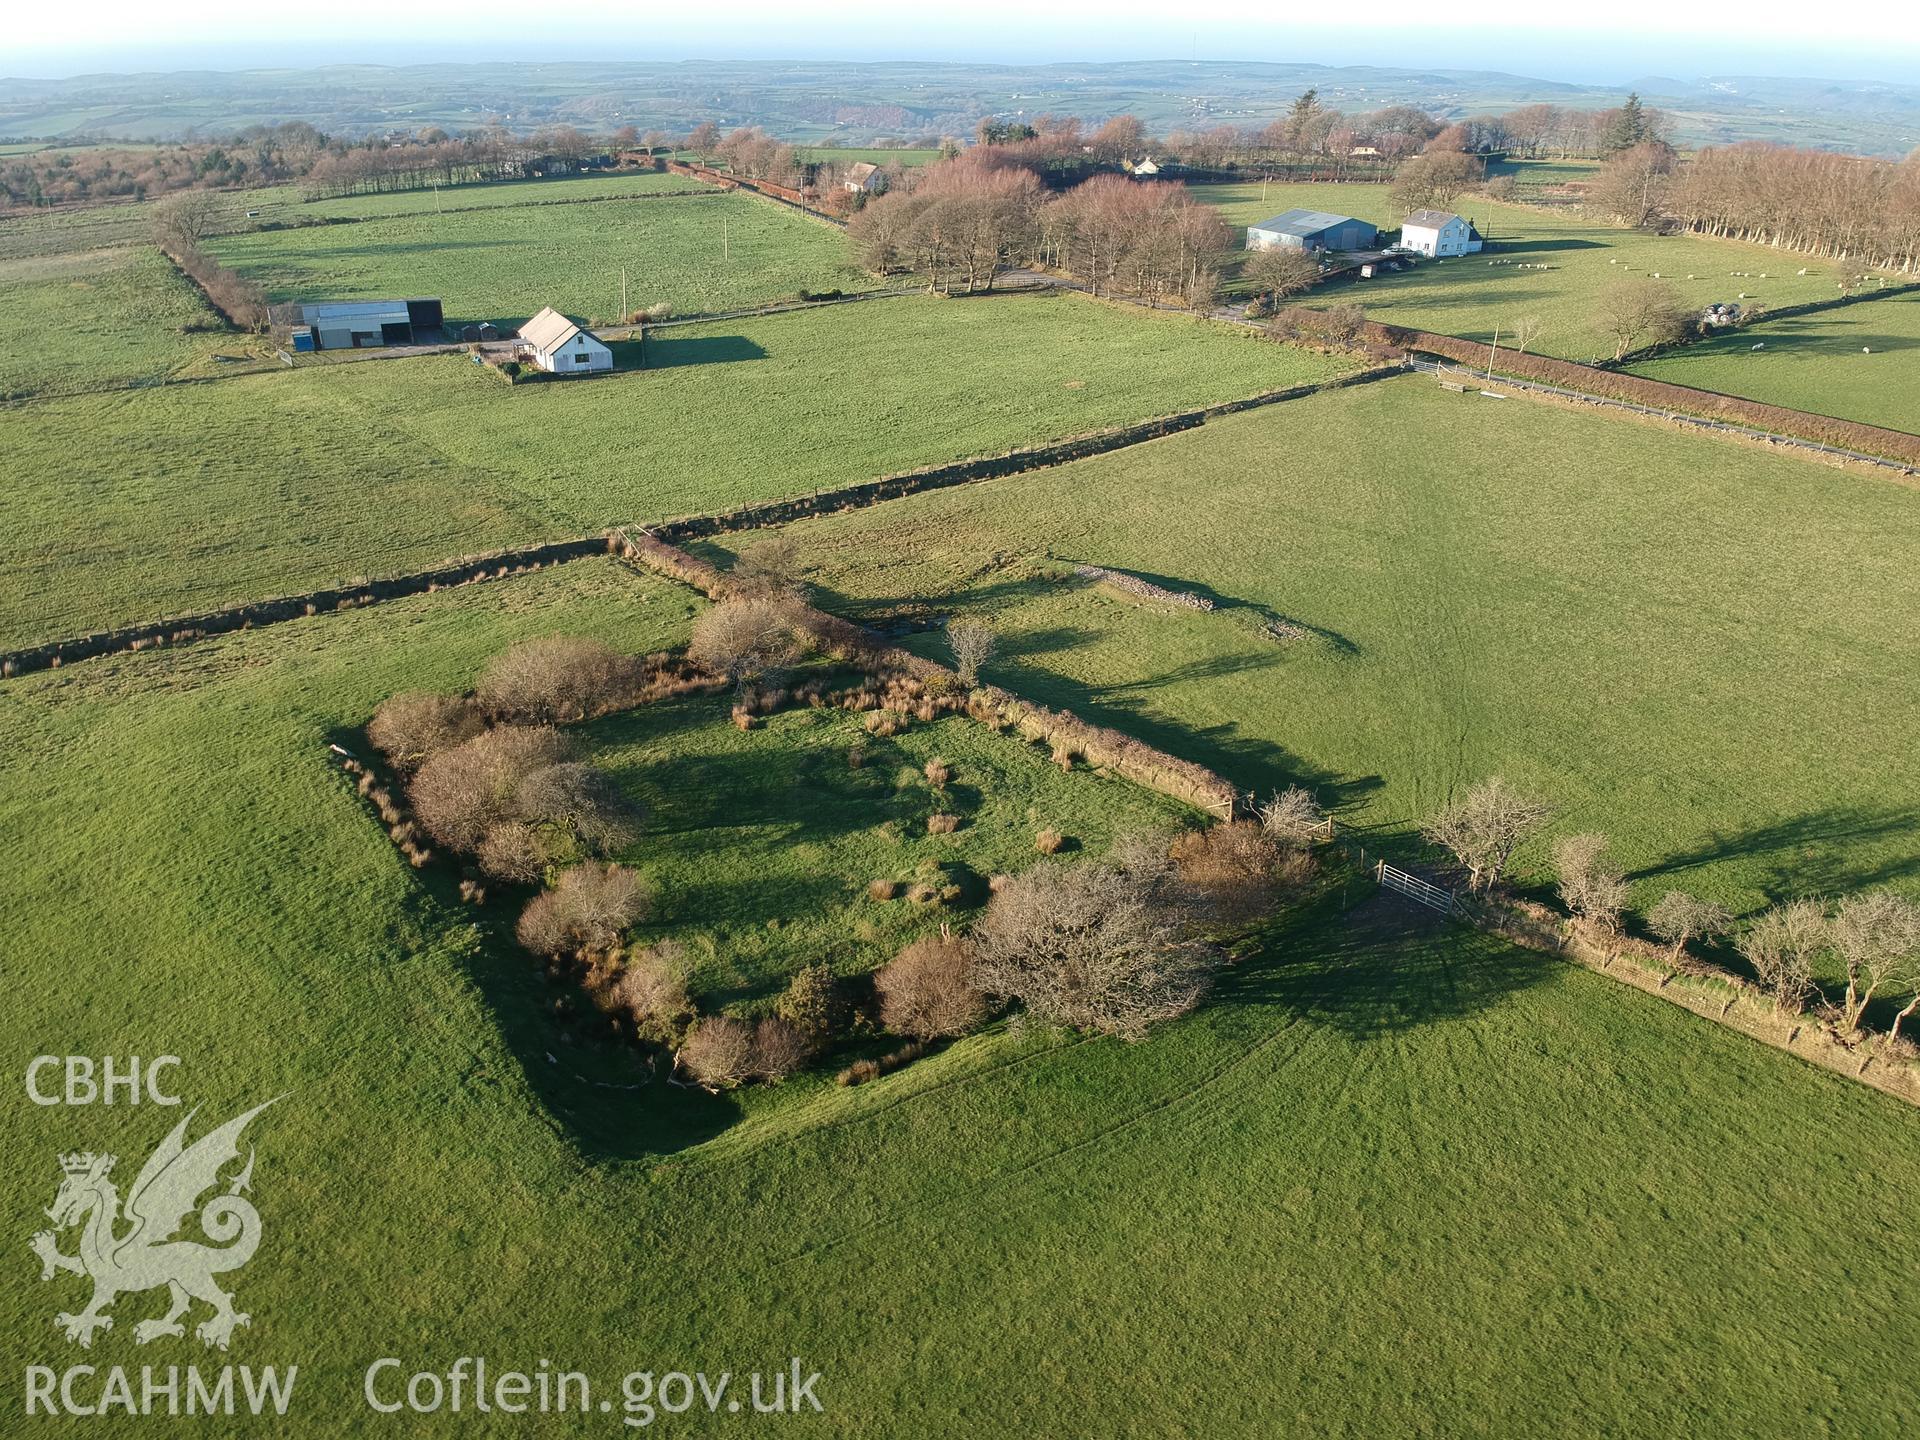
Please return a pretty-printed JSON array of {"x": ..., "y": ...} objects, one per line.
[{"x": 1614, "y": 41}]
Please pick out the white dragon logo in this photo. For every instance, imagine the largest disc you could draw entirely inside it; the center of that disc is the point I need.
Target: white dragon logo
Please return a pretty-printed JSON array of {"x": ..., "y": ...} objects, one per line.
[{"x": 145, "y": 1255}]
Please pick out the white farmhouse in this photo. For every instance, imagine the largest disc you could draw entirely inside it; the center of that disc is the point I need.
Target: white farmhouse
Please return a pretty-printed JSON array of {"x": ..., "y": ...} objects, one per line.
[
  {"x": 1438, "y": 233},
  {"x": 560, "y": 347}
]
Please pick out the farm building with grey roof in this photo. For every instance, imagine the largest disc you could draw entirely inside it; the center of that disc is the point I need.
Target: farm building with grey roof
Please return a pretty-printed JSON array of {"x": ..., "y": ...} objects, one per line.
[{"x": 1311, "y": 230}]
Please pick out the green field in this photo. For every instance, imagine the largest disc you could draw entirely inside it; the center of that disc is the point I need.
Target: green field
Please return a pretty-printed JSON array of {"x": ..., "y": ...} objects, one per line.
[
  {"x": 1394, "y": 1178},
  {"x": 1392, "y": 1181},
  {"x": 132, "y": 506},
  {"x": 121, "y": 316},
  {"x": 1469, "y": 297},
  {"x": 1601, "y": 632},
  {"x": 761, "y": 844},
  {"x": 492, "y": 196},
  {"x": 1859, "y": 362},
  {"x": 502, "y": 264}
]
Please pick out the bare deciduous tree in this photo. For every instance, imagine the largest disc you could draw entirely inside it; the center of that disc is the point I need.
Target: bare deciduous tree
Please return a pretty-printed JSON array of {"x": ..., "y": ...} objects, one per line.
[
  {"x": 1484, "y": 826},
  {"x": 554, "y": 679},
  {"x": 411, "y": 728},
  {"x": 1233, "y": 869},
  {"x": 183, "y": 220},
  {"x": 745, "y": 638},
  {"x": 971, "y": 643},
  {"x": 586, "y": 910},
  {"x": 1781, "y": 946},
  {"x": 1877, "y": 937},
  {"x": 1592, "y": 885},
  {"x": 768, "y": 567},
  {"x": 650, "y": 988},
  {"x": 1640, "y": 311},
  {"x": 582, "y": 801},
  {"x": 719, "y": 1052},
  {"x": 1678, "y": 917},
  {"x": 1281, "y": 272},
  {"x": 1293, "y": 816},
  {"x": 462, "y": 793},
  {"x": 1632, "y": 185},
  {"x": 1526, "y": 332},
  {"x": 927, "y": 990},
  {"x": 1108, "y": 946}
]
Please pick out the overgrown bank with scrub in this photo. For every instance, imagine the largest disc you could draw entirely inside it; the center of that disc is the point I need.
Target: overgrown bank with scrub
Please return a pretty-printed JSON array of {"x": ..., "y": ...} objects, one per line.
[{"x": 507, "y": 783}]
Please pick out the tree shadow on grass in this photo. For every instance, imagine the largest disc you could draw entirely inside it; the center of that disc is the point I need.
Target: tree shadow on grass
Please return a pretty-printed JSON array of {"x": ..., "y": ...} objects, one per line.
[
  {"x": 1253, "y": 763},
  {"x": 1501, "y": 246},
  {"x": 1385, "y": 966},
  {"x": 1824, "y": 852}
]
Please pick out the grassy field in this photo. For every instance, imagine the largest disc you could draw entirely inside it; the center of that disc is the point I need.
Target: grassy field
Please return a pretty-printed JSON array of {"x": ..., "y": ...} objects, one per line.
[
  {"x": 1385, "y": 1173},
  {"x": 1469, "y": 297},
  {"x": 721, "y": 252},
  {"x": 1604, "y": 632},
  {"x": 494, "y": 196},
  {"x": 761, "y": 844},
  {"x": 131, "y": 506},
  {"x": 1859, "y": 362},
  {"x": 76, "y": 322}
]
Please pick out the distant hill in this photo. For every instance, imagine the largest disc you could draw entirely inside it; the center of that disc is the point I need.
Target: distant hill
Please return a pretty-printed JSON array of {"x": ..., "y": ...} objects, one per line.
[{"x": 858, "y": 103}]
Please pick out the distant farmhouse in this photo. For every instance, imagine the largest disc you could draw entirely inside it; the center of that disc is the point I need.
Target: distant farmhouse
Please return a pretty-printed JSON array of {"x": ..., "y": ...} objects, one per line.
[
  {"x": 1311, "y": 230},
  {"x": 360, "y": 324},
  {"x": 1145, "y": 165},
  {"x": 1438, "y": 233},
  {"x": 560, "y": 347},
  {"x": 865, "y": 179}
]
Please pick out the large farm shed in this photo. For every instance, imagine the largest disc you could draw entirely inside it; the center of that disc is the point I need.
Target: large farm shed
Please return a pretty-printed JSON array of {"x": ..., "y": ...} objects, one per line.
[
  {"x": 356, "y": 324},
  {"x": 1311, "y": 230},
  {"x": 560, "y": 347}
]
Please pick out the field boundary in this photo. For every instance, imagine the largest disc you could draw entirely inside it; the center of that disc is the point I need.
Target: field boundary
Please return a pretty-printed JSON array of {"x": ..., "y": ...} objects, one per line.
[
  {"x": 861, "y": 494},
  {"x": 1099, "y": 746},
  {"x": 1708, "y": 409},
  {"x": 1467, "y": 379},
  {"x": 181, "y": 629},
  {"x": 1761, "y": 318},
  {"x": 1713, "y": 994}
]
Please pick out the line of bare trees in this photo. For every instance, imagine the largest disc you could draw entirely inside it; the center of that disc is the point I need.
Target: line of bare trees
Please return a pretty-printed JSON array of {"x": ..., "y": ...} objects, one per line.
[
  {"x": 1838, "y": 207},
  {"x": 970, "y": 218},
  {"x": 180, "y": 223},
  {"x": 1868, "y": 943}
]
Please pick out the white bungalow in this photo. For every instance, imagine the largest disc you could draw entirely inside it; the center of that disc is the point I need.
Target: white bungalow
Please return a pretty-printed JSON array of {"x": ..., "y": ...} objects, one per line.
[
  {"x": 561, "y": 347},
  {"x": 1438, "y": 233}
]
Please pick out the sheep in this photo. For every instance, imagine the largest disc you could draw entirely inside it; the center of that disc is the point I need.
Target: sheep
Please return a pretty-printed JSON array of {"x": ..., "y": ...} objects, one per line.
[{"x": 1761, "y": 346}]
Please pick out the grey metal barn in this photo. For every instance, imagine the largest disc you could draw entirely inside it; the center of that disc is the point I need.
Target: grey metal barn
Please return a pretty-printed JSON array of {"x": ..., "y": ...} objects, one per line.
[
  {"x": 1312, "y": 230},
  {"x": 356, "y": 324}
]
